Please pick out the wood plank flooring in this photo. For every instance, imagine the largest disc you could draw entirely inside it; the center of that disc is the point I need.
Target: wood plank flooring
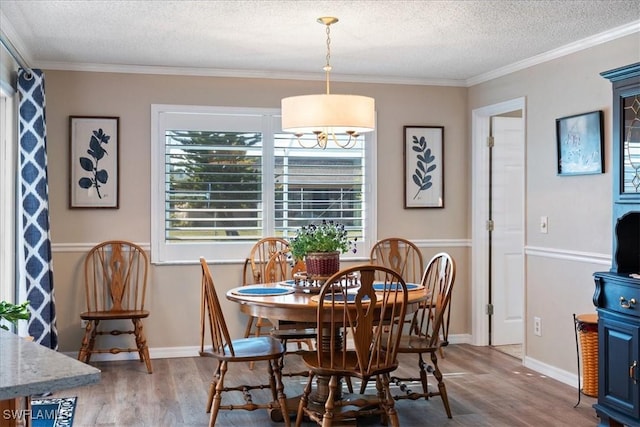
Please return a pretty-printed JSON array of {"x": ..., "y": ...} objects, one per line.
[{"x": 485, "y": 387}]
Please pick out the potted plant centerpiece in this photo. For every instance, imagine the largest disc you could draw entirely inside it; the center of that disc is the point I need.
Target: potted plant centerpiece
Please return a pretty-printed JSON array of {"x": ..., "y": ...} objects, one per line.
[{"x": 320, "y": 247}]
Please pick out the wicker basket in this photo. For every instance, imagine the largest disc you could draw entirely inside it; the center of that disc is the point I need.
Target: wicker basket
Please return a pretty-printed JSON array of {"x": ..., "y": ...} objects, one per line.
[
  {"x": 322, "y": 264},
  {"x": 587, "y": 326}
]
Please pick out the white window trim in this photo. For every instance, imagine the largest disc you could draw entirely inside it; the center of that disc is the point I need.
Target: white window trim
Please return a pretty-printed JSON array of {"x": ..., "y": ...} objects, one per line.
[
  {"x": 235, "y": 252},
  {"x": 8, "y": 165}
]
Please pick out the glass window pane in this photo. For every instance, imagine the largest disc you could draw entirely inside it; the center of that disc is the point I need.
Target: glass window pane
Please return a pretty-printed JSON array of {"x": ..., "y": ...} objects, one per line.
[{"x": 213, "y": 185}]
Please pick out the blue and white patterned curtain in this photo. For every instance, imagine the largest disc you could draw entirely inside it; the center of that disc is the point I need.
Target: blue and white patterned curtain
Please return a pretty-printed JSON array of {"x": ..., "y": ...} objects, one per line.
[{"x": 33, "y": 219}]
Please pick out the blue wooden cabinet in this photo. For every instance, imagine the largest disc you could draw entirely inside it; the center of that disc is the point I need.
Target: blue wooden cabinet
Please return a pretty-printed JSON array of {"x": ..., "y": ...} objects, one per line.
[
  {"x": 617, "y": 297},
  {"x": 617, "y": 292}
]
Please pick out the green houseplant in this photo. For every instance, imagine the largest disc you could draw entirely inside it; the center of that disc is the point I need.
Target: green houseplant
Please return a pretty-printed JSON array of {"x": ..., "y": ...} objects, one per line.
[
  {"x": 320, "y": 245},
  {"x": 13, "y": 312}
]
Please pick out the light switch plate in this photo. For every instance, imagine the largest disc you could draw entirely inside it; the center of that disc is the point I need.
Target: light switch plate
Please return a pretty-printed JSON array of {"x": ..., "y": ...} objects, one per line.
[{"x": 544, "y": 224}]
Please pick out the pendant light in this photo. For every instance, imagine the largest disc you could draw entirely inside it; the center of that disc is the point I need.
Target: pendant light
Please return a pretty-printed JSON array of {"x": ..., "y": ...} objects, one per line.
[{"x": 328, "y": 115}]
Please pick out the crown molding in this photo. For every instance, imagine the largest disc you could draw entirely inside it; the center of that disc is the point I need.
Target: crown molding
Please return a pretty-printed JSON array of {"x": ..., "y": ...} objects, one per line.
[
  {"x": 624, "y": 30},
  {"x": 615, "y": 33},
  {"x": 249, "y": 74}
]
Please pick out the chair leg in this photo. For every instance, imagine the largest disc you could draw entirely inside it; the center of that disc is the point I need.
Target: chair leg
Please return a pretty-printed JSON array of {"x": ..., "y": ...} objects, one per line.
[
  {"x": 389, "y": 403},
  {"x": 247, "y": 330},
  {"x": 212, "y": 387},
  {"x": 92, "y": 340},
  {"x": 423, "y": 376},
  {"x": 141, "y": 343},
  {"x": 304, "y": 400},
  {"x": 363, "y": 385},
  {"x": 441, "y": 387},
  {"x": 281, "y": 361},
  {"x": 327, "y": 417},
  {"x": 217, "y": 398},
  {"x": 247, "y": 333},
  {"x": 258, "y": 326},
  {"x": 86, "y": 347},
  {"x": 271, "y": 369},
  {"x": 279, "y": 390},
  {"x": 381, "y": 394}
]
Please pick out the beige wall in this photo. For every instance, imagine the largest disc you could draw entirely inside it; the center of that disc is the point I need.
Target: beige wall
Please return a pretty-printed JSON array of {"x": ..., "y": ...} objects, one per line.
[
  {"x": 578, "y": 207},
  {"x": 174, "y": 295}
]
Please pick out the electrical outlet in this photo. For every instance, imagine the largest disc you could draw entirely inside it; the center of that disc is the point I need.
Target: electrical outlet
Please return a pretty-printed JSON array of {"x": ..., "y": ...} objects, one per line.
[
  {"x": 537, "y": 326},
  {"x": 544, "y": 224},
  {"x": 83, "y": 323}
]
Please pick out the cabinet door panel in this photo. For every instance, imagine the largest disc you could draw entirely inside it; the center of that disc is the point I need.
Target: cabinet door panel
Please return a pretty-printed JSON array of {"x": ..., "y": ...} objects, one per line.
[{"x": 620, "y": 340}]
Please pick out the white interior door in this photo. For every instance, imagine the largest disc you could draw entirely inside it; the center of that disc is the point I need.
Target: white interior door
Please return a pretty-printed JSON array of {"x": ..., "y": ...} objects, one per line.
[{"x": 507, "y": 238}]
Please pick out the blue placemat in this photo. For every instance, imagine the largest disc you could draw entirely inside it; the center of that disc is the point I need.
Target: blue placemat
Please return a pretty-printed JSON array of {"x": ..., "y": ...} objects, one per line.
[
  {"x": 393, "y": 286},
  {"x": 262, "y": 291}
]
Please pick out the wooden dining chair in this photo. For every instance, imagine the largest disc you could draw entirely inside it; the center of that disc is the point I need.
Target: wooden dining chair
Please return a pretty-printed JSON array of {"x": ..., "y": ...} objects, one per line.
[
  {"x": 115, "y": 281},
  {"x": 225, "y": 351},
  {"x": 253, "y": 273},
  {"x": 279, "y": 269},
  {"x": 429, "y": 330},
  {"x": 356, "y": 337},
  {"x": 400, "y": 255}
]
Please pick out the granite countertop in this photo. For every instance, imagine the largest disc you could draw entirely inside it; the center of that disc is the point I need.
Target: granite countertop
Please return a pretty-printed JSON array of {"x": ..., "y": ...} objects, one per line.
[{"x": 28, "y": 368}]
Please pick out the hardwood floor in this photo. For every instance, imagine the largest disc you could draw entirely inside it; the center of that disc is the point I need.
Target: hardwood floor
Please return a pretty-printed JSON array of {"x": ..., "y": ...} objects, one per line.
[{"x": 485, "y": 387}]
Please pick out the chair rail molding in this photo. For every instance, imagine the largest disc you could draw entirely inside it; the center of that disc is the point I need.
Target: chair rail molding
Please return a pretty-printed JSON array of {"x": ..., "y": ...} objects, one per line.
[
  {"x": 569, "y": 255},
  {"x": 442, "y": 243},
  {"x": 86, "y": 246},
  {"x": 423, "y": 243}
]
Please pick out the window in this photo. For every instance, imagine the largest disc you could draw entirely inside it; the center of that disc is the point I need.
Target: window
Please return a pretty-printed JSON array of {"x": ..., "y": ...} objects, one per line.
[{"x": 222, "y": 178}]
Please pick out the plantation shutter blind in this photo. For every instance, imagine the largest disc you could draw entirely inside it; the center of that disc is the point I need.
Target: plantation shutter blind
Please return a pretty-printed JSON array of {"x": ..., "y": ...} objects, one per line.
[
  {"x": 223, "y": 178},
  {"x": 213, "y": 185},
  {"x": 312, "y": 184}
]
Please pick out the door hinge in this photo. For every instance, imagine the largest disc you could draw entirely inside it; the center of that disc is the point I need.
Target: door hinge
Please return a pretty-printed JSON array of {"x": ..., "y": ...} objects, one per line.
[
  {"x": 490, "y": 142},
  {"x": 490, "y": 309},
  {"x": 490, "y": 225}
]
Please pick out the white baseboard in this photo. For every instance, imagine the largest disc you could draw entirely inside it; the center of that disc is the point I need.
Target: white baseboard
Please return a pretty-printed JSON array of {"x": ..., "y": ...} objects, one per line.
[
  {"x": 551, "y": 371},
  {"x": 460, "y": 339}
]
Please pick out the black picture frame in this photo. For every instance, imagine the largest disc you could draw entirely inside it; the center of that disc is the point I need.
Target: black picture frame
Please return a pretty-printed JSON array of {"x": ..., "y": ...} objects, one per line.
[
  {"x": 94, "y": 176},
  {"x": 423, "y": 167},
  {"x": 580, "y": 144}
]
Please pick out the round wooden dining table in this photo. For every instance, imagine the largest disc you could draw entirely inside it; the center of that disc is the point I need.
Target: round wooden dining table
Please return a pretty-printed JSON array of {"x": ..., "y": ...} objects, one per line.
[
  {"x": 292, "y": 305},
  {"x": 280, "y": 302}
]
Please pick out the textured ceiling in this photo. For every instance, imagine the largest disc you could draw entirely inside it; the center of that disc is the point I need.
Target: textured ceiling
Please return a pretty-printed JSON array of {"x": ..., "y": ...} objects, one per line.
[{"x": 401, "y": 41}]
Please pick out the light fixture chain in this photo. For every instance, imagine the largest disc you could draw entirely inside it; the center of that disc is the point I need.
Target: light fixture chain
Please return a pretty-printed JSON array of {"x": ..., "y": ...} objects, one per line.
[{"x": 327, "y": 67}]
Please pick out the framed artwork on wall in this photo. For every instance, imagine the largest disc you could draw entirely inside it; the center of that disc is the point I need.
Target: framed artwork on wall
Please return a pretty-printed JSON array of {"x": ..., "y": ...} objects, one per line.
[
  {"x": 94, "y": 180},
  {"x": 423, "y": 167},
  {"x": 580, "y": 144}
]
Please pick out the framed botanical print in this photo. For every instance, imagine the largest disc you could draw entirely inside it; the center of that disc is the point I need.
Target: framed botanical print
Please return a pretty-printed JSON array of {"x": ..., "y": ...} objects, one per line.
[
  {"x": 423, "y": 166},
  {"x": 93, "y": 167}
]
